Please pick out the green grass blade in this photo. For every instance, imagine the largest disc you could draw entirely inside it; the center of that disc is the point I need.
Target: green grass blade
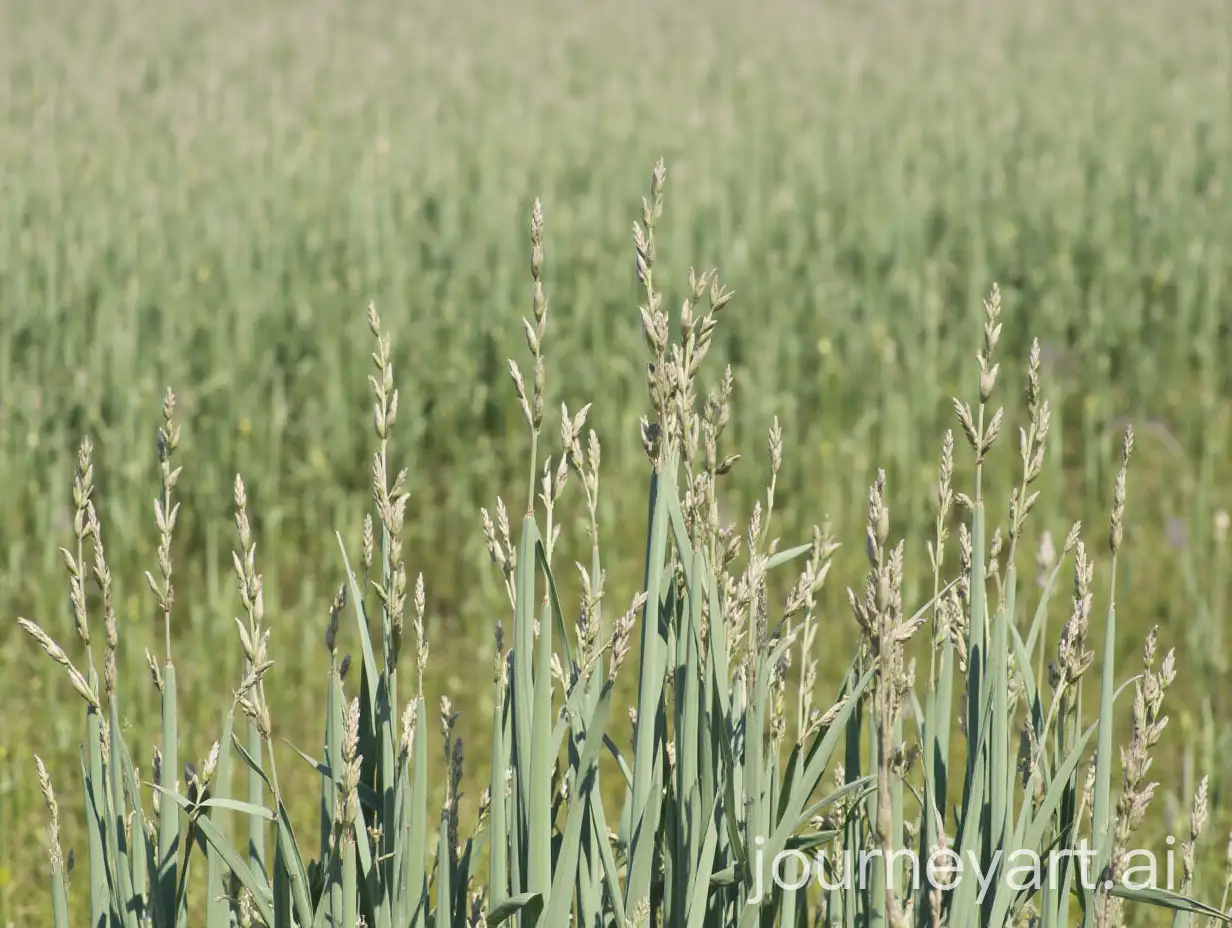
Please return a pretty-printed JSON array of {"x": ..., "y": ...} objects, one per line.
[
  {"x": 356, "y": 597},
  {"x": 542, "y": 762},
  {"x": 651, "y": 662},
  {"x": 786, "y": 556},
  {"x": 559, "y": 902},
  {"x": 1166, "y": 899},
  {"x": 700, "y": 883},
  {"x": 93, "y": 784},
  {"x": 1039, "y": 824},
  {"x": 523, "y": 701},
  {"x": 498, "y": 846},
  {"x": 256, "y": 834},
  {"x": 254, "y": 882},
  {"x": 217, "y": 911},
  {"x": 1101, "y": 803},
  {"x": 825, "y": 743},
  {"x": 644, "y": 841},
  {"x": 530, "y": 903},
  {"x": 444, "y": 875},
  {"x": 142, "y": 852},
  {"x": 418, "y": 838},
  {"x": 130, "y": 906}
]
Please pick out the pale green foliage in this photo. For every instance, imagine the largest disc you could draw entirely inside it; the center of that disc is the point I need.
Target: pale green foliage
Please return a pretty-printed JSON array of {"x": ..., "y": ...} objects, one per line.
[{"x": 718, "y": 779}]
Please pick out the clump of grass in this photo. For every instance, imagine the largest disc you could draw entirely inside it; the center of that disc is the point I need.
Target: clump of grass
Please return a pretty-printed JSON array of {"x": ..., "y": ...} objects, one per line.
[{"x": 716, "y": 795}]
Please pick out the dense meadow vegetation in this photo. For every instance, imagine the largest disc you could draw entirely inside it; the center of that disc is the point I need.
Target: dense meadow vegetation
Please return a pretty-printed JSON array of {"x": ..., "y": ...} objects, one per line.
[{"x": 208, "y": 197}]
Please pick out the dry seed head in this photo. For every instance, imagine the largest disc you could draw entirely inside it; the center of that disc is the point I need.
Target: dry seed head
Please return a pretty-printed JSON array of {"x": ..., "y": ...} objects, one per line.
[
  {"x": 587, "y": 624},
  {"x": 644, "y": 249},
  {"x": 775, "y": 446},
  {"x": 1033, "y": 375},
  {"x": 641, "y": 914},
  {"x": 655, "y": 327},
  {"x": 571, "y": 434},
  {"x": 77, "y": 601},
  {"x": 992, "y": 334},
  {"x": 988, "y": 379},
  {"x": 83, "y": 480},
  {"x": 485, "y": 802},
  {"x": 211, "y": 763},
  {"x": 54, "y": 651},
  {"x": 256, "y": 713},
  {"x": 1127, "y": 446},
  {"x": 964, "y": 562},
  {"x": 1197, "y": 821},
  {"x": 110, "y": 671},
  {"x": 1073, "y": 658},
  {"x": 967, "y": 421},
  {"x": 1032, "y": 440},
  {"x": 448, "y": 717},
  {"x": 489, "y": 535},
  {"x": 350, "y": 737},
  {"x": 955, "y": 622},
  {"x": 1043, "y": 427},
  {"x": 1148, "y": 726},
  {"x": 622, "y": 635},
  {"x": 502, "y": 526},
  {"x": 102, "y": 573},
  {"x": 1116, "y": 530},
  {"x": 246, "y": 643},
  {"x": 945, "y": 494},
  {"x": 536, "y": 239},
  {"x": 165, "y": 513},
  {"x": 719, "y": 295},
  {"x": 155, "y": 674},
  {"x": 53, "y": 817},
  {"x": 878, "y": 519},
  {"x": 368, "y": 544},
  {"x": 1198, "y": 817},
  {"x": 533, "y": 406},
  {"x": 991, "y": 432},
  {"x": 686, "y": 311},
  {"x": 335, "y": 614},
  {"x": 256, "y": 673},
  {"x": 593, "y": 453},
  {"x": 170, "y": 435},
  {"x": 519, "y": 386}
]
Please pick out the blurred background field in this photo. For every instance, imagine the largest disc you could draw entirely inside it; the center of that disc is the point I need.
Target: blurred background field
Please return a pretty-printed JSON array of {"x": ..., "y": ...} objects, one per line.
[{"x": 207, "y": 196}]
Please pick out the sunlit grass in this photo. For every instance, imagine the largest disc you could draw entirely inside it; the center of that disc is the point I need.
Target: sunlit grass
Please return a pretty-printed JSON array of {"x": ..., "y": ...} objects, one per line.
[{"x": 208, "y": 197}]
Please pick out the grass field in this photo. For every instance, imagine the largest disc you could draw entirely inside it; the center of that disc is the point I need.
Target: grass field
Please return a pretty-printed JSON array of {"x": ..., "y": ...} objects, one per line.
[{"x": 207, "y": 196}]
